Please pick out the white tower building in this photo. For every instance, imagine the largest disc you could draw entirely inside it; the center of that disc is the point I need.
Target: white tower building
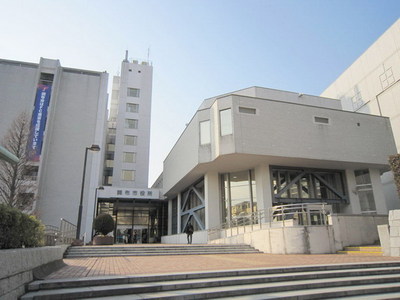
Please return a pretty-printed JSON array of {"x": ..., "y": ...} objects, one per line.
[{"x": 128, "y": 140}]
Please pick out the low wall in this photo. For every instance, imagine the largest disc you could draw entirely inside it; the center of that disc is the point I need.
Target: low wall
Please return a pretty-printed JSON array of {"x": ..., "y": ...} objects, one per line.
[
  {"x": 356, "y": 230},
  {"x": 286, "y": 240},
  {"x": 199, "y": 237},
  {"x": 17, "y": 267}
]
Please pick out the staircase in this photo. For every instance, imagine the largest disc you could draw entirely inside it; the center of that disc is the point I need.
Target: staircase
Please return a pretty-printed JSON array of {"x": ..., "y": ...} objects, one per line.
[
  {"x": 158, "y": 249},
  {"x": 362, "y": 250},
  {"x": 375, "y": 280}
]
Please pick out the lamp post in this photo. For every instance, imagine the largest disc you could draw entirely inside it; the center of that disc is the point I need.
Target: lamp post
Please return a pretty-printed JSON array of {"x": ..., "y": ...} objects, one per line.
[
  {"x": 95, "y": 206},
  {"x": 78, "y": 225}
]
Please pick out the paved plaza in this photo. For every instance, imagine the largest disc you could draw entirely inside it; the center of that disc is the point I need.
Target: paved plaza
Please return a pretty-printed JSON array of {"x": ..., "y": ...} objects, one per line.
[{"x": 134, "y": 265}]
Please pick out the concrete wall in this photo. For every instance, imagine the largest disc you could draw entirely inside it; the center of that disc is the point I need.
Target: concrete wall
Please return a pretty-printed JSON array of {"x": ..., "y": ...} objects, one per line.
[
  {"x": 356, "y": 230},
  {"x": 371, "y": 85},
  {"x": 17, "y": 267},
  {"x": 349, "y": 137},
  {"x": 286, "y": 240},
  {"x": 139, "y": 76},
  {"x": 199, "y": 237},
  {"x": 349, "y": 141},
  {"x": 75, "y": 120}
]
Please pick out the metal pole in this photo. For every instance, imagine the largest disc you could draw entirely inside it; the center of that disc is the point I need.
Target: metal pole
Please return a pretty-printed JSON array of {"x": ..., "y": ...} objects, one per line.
[{"x": 78, "y": 226}]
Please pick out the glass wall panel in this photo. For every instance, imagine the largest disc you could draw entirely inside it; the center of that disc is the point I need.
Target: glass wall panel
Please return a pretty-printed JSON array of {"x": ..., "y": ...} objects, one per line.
[
  {"x": 293, "y": 185},
  {"x": 238, "y": 194},
  {"x": 192, "y": 207},
  {"x": 365, "y": 191}
]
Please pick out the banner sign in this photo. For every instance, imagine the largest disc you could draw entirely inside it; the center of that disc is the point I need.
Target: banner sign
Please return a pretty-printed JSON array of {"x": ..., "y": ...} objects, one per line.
[{"x": 39, "y": 121}]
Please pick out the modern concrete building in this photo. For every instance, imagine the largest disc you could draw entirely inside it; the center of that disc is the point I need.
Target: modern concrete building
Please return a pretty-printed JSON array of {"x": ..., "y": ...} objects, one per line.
[
  {"x": 371, "y": 85},
  {"x": 247, "y": 151},
  {"x": 138, "y": 211},
  {"x": 68, "y": 108}
]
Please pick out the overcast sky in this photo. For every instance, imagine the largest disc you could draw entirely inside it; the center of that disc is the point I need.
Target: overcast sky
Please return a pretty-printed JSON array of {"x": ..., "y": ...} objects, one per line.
[{"x": 199, "y": 48}]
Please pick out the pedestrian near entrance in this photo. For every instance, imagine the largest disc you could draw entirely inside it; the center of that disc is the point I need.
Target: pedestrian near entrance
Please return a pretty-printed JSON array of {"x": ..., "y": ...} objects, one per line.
[{"x": 189, "y": 232}]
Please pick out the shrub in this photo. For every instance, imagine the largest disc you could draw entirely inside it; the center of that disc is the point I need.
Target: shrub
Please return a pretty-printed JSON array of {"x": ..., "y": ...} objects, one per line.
[
  {"x": 18, "y": 229},
  {"x": 104, "y": 224},
  {"x": 394, "y": 162}
]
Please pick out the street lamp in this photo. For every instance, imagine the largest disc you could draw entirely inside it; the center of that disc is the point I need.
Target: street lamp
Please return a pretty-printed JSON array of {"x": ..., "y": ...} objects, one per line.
[
  {"x": 95, "y": 205},
  {"x": 78, "y": 226}
]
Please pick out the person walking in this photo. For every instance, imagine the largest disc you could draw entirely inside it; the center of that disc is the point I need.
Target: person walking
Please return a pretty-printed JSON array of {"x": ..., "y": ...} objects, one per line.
[{"x": 189, "y": 232}]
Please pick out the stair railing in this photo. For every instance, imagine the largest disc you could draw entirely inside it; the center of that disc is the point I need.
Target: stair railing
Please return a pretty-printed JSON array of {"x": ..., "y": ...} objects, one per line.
[{"x": 303, "y": 214}]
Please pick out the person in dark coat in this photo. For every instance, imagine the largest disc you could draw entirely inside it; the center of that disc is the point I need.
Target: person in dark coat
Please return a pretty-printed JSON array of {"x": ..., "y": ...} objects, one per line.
[{"x": 189, "y": 232}]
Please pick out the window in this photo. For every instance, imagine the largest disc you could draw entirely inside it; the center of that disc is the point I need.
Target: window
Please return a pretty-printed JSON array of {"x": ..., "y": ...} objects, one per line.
[
  {"x": 131, "y": 123},
  {"x": 130, "y": 140},
  {"x": 365, "y": 192},
  {"x": 111, "y": 139},
  {"x": 133, "y": 92},
  {"x": 112, "y": 130},
  {"x": 321, "y": 120},
  {"x": 131, "y": 107},
  {"x": 128, "y": 175},
  {"x": 293, "y": 185},
  {"x": 247, "y": 110},
  {"x": 238, "y": 194},
  {"x": 205, "y": 133},
  {"x": 129, "y": 157},
  {"x": 225, "y": 117}
]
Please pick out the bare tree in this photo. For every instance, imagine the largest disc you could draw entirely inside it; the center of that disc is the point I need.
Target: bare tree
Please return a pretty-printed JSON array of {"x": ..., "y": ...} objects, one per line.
[{"x": 16, "y": 188}]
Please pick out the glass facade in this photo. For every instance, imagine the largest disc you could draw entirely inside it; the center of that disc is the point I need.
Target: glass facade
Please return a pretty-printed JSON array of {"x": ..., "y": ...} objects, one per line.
[
  {"x": 365, "y": 192},
  {"x": 136, "y": 221},
  {"x": 238, "y": 194},
  {"x": 292, "y": 185},
  {"x": 193, "y": 207}
]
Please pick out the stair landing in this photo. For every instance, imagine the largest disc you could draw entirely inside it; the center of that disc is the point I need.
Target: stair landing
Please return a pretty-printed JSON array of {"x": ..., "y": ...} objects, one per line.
[{"x": 362, "y": 250}]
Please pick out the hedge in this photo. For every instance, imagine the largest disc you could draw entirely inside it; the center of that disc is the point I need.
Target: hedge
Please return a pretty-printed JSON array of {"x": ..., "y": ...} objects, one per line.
[
  {"x": 394, "y": 161},
  {"x": 19, "y": 230}
]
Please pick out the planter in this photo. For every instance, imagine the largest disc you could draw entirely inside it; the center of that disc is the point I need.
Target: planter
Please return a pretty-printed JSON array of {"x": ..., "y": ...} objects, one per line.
[{"x": 103, "y": 240}]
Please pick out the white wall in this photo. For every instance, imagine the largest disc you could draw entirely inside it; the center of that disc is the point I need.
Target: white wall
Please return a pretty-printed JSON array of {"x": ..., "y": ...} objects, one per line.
[
  {"x": 133, "y": 75},
  {"x": 286, "y": 240},
  {"x": 75, "y": 121}
]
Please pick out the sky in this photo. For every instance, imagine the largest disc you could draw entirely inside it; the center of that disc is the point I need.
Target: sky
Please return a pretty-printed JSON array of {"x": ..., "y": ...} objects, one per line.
[{"x": 198, "y": 48}]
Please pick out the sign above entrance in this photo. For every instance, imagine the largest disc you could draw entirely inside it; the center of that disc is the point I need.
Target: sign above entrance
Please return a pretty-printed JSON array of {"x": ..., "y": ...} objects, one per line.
[{"x": 118, "y": 192}]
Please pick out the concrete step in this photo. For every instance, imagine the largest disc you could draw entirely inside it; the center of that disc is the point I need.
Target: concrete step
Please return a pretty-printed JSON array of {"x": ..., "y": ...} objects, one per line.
[
  {"x": 231, "y": 283},
  {"x": 104, "y": 251},
  {"x": 362, "y": 250}
]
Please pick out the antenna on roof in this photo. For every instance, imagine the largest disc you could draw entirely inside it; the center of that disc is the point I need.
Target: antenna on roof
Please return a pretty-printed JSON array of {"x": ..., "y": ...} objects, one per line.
[
  {"x": 126, "y": 56},
  {"x": 148, "y": 54}
]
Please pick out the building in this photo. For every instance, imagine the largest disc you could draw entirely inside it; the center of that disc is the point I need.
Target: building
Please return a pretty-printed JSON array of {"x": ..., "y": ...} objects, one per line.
[
  {"x": 371, "y": 85},
  {"x": 250, "y": 150},
  {"x": 68, "y": 108},
  {"x": 138, "y": 211}
]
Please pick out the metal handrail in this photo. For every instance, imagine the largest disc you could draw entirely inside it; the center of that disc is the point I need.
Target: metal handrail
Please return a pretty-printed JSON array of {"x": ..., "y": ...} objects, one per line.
[
  {"x": 65, "y": 234},
  {"x": 303, "y": 214}
]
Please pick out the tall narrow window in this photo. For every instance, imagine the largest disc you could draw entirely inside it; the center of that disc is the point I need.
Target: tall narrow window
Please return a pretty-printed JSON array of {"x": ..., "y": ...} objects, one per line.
[
  {"x": 131, "y": 123},
  {"x": 132, "y": 92},
  {"x": 365, "y": 192},
  {"x": 225, "y": 117},
  {"x": 205, "y": 133},
  {"x": 132, "y": 107}
]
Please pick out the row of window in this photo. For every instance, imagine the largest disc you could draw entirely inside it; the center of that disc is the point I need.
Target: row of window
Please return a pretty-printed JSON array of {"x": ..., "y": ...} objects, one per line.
[{"x": 130, "y": 140}]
